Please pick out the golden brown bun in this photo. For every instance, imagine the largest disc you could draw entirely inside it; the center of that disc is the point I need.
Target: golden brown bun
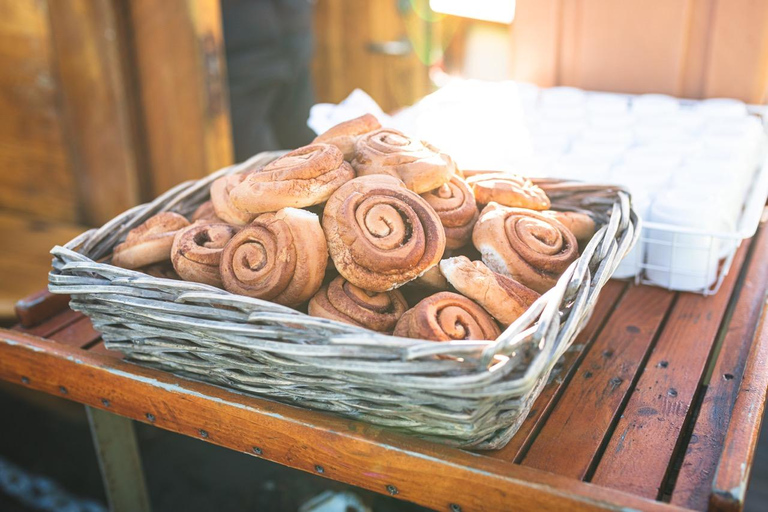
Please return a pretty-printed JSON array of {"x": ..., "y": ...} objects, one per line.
[
  {"x": 581, "y": 225},
  {"x": 221, "y": 200},
  {"x": 508, "y": 190},
  {"x": 280, "y": 257},
  {"x": 344, "y": 135},
  {"x": 432, "y": 279},
  {"x": 447, "y": 316},
  {"x": 206, "y": 213},
  {"x": 345, "y": 302},
  {"x": 387, "y": 151},
  {"x": 504, "y": 298},
  {"x": 525, "y": 245},
  {"x": 380, "y": 234},
  {"x": 150, "y": 242},
  {"x": 456, "y": 207},
  {"x": 197, "y": 251},
  {"x": 303, "y": 177}
]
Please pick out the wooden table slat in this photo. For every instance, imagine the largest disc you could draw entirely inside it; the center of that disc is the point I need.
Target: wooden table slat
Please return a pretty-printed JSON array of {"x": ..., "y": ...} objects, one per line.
[
  {"x": 79, "y": 334},
  {"x": 694, "y": 481},
  {"x": 549, "y": 396},
  {"x": 55, "y": 324},
  {"x": 650, "y": 426},
  {"x": 730, "y": 485},
  {"x": 39, "y": 307},
  {"x": 571, "y": 438},
  {"x": 100, "y": 348}
]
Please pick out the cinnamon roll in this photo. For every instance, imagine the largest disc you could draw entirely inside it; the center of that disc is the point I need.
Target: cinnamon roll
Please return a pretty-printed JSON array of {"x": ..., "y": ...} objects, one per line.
[
  {"x": 279, "y": 257},
  {"x": 150, "y": 242},
  {"x": 344, "y": 135},
  {"x": 504, "y": 298},
  {"x": 380, "y": 234},
  {"x": 456, "y": 207},
  {"x": 303, "y": 177},
  {"x": 221, "y": 200},
  {"x": 447, "y": 316},
  {"x": 508, "y": 190},
  {"x": 345, "y": 302},
  {"x": 386, "y": 151},
  {"x": 581, "y": 225},
  {"x": 197, "y": 251},
  {"x": 532, "y": 248},
  {"x": 206, "y": 213}
]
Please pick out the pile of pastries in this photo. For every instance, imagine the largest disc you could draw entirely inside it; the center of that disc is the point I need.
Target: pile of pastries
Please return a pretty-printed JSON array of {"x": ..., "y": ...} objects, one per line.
[{"x": 373, "y": 228}]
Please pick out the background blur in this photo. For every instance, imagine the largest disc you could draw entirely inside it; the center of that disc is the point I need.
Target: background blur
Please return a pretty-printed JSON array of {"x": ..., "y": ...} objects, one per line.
[{"x": 104, "y": 104}]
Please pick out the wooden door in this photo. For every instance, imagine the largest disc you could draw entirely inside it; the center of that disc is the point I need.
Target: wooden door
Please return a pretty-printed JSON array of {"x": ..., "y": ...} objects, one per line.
[
  {"x": 107, "y": 103},
  {"x": 384, "y": 47}
]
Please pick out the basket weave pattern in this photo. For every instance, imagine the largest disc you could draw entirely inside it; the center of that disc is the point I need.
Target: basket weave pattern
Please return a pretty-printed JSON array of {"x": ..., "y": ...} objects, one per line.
[{"x": 468, "y": 394}]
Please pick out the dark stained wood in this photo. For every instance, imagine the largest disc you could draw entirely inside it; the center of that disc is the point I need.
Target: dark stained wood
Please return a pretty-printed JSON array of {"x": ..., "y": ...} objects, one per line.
[
  {"x": 552, "y": 391},
  {"x": 650, "y": 426},
  {"x": 79, "y": 334},
  {"x": 185, "y": 113},
  {"x": 39, "y": 307},
  {"x": 100, "y": 348},
  {"x": 730, "y": 484},
  {"x": 35, "y": 177},
  {"x": 55, "y": 324},
  {"x": 96, "y": 107},
  {"x": 694, "y": 482},
  {"x": 570, "y": 440},
  {"x": 25, "y": 263},
  {"x": 362, "y": 455}
]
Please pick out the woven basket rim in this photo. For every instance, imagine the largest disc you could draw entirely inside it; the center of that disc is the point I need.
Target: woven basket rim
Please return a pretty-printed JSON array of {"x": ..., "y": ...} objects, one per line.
[{"x": 477, "y": 372}]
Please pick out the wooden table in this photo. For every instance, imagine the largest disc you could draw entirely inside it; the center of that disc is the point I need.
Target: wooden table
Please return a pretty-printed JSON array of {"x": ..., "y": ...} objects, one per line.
[{"x": 658, "y": 407}]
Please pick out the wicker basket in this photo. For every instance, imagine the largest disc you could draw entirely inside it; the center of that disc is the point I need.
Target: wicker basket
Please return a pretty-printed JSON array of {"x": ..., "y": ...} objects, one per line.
[{"x": 476, "y": 397}]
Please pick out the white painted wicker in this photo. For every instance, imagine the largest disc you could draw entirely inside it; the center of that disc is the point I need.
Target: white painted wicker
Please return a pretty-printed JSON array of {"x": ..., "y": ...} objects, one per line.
[{"x": 469, "y": 394}]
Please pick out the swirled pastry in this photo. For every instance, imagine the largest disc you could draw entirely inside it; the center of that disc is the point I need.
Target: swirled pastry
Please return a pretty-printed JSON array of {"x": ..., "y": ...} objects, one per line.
[
  {"x": 525, "y": 245},
  {"x": 456, "y": 207},
  {"x": 380, "y": 234},
  {"x": 419, "y": 165},
  {"x": 150, "y": 242},
  {"x": 345, "y": 302},
  {"x": 581, "y": 225},
  {"x": 197, "y": 251},
  {"x": 221, "y": 200},
  {"x": 344, "y": 135},
  {"x": 447, "y": 316},
  {"x": 504, "y": 298},
  {"x": 508, "y": 190},
  {"x": 304, "y": 177},
  {"x": 279, "y": 257}
]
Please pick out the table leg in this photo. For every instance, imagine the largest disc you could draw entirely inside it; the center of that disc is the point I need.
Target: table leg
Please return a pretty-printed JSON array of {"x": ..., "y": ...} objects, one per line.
[{"x": 117, "y": 450}]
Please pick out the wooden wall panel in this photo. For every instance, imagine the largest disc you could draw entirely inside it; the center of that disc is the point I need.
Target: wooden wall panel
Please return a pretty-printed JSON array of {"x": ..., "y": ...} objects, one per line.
[
  {"x": 624, "y": 45},
  {"x": 738, "y": 50},
  {"x": 688, "y": 48},
  {"x": 96, "y": 106},
  {"x": 35, "y": 178},
  {"x": 535, "y": 42},
  {"x": 182, "y": 85}
]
